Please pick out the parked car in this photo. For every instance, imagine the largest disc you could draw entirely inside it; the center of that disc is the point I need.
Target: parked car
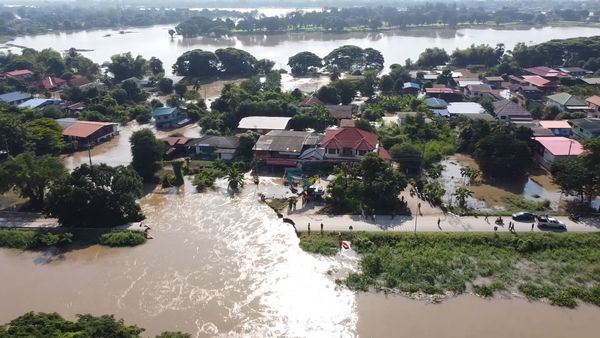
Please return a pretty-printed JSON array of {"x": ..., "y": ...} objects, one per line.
[
  {"x": 550, "y": 223},
  {"x": 524, "y": 216}
]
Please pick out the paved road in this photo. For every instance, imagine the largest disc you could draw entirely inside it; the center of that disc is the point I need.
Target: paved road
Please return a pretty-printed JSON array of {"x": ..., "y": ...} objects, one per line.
[
  {"x": 10, "y": 219},
  {"x": 427, "y": 223}
]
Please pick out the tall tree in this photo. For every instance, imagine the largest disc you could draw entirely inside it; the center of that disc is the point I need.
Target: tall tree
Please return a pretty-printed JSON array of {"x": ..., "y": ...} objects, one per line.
[
  {"x": 123, "y": 66},
  {"x": 44, "y": 135},
  {"x": 31, "y": 175},
  {"x": 97, "y": 196},
  {"x": 13, "y": 135},
  {"x": 302, "y": 62},
  {"x": 156, "y": 66},
  {"x": 196, "y": 63},
  {"x": 147, "y": 152}
]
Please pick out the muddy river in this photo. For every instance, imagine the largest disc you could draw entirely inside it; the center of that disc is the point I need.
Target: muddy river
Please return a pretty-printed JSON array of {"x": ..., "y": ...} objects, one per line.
[{"x": 222, "y": 266}]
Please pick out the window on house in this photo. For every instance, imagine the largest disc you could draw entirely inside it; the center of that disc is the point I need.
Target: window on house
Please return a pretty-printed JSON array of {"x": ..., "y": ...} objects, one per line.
[
  {"x": 361, "y": 152},
  {"x": 332, "y": 151},
  {"x": 347, "y": 152}
]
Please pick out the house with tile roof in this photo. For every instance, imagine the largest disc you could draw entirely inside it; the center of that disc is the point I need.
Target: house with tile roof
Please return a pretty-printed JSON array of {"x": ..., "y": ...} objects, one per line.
[
  {"x": 20, "y": 74},
  {"x": 175, "y": 146},
  {"x": 540, "y": 83},
  {"x": 311, "y": 101},
  {"x": 474, "y": 91},
  {"x": 567, "y": 102},
  {"x": 51, "y": 83},
  {"x": 507, "y": 110},
  {"x": 351, "y": 144}
]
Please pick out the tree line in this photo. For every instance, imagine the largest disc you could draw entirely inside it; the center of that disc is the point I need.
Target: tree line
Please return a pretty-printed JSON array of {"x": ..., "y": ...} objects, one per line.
[{"x": 380, "y": 17}]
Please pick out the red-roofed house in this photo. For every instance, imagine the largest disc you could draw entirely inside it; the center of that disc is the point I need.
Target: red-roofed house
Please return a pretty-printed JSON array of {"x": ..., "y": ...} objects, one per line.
[
  {"x": 175, "y": 146},
  {"x": 78, "y": 80},
  {"x": 22, "y": 74},
  {"x": 548, "y": 149},
  {"x": 594, "y": 104},
  {"x": 86, "y": 134},
  {"x": 351, "y": 144},
  {"x": 311, "y": 101},
  {"x": 545, "y": 72},
  {"x": 51, "y": 83},
  {"x": 540, "y": 83}
]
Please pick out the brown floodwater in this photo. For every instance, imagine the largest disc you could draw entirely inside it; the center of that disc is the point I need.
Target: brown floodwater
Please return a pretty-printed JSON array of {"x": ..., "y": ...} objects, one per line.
[
  {"x": 221, "y": 266},
  {"x": 471, "y": 317}
]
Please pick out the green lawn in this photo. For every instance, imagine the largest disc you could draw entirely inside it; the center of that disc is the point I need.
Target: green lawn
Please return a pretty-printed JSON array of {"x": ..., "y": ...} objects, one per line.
[{"x": 559, "y": 267}]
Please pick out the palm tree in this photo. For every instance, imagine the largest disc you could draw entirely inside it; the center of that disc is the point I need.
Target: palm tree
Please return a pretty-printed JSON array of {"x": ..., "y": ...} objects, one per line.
[
  {"x": 462, "y": 193},
  {"x": 235, "y": 179}
]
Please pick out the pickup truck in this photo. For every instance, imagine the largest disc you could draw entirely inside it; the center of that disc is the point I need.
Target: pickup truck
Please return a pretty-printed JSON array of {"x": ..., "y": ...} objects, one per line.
[{"x": 550, "y": 223}]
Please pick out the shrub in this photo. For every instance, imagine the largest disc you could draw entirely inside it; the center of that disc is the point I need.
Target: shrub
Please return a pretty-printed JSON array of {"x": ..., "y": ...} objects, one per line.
[
  {"x": 33, "y": 238},
  {"x": 121, "y": 238}
]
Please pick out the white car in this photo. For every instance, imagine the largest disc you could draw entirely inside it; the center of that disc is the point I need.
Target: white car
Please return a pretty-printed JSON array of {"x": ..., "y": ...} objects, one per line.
[{"x": 550, "y": 223}]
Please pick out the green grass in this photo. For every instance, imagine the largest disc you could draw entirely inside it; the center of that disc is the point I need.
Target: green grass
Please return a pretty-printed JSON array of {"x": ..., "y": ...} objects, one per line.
[{"x": 561, "y": 268}]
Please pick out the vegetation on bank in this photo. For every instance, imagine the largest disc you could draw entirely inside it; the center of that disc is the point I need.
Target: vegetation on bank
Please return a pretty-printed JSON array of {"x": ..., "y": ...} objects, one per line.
[
  {"x": 375, "y": 18},
  {"x": 53, "y": 325},
  {"x": 34, "y": 238},
  {"x": 561, "y": 268}
]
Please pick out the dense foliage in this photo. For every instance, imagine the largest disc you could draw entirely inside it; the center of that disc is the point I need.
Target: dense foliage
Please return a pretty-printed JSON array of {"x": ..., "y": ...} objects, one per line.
[
  {"x": 580, "y": 176},
  {"x": 199, "y": 63},
  {"x": 367, "y": 186},
  {"x": 29, "y": 239},
  {"x": 501, "y": 150},
  {"x": 97, "y": 196},
  {"x": 31, "y": 176},
  {"x": 147, "y": 152},
  {"x": 53, "y": 325}
]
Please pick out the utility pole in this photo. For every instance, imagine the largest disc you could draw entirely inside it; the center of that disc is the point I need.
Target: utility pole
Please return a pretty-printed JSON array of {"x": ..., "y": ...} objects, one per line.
[{"x": 90, "y": 153}]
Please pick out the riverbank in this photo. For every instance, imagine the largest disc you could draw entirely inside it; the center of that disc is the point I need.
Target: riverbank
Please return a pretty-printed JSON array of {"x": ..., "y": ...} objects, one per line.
[
  {"x": 68, "y": 238},
  {"x": 558, "y": 268}
]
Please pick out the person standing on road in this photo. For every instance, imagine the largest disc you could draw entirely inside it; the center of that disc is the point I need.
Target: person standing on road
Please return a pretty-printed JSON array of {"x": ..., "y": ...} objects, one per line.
[
  {"x": 309, "y": 228},
  {"x": 321, "y": 229},
  {"x": 532, "y": 225}
]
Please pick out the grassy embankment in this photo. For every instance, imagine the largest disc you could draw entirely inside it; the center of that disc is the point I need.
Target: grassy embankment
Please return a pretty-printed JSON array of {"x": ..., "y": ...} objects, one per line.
[
  {"x": 32, "y": 239},
  {"x": 561, "y": 268}
]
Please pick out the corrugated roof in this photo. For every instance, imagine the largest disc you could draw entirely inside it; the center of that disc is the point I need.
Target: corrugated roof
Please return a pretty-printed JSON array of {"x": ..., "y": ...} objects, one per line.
[
  {"x": 543, "y": 71},
  {"x": 84, "y": 128},
  {"x": 551, "y": 124},
  {"x": 264, "y": 122},
  {"x": 592, "y": 80},
  {"x": 589, "y": 124},
  {"x": 34, "y": 103},
  {"x": 465, "y": 108},
  {"x": 160, "y": 111},
  {"x": 537, "y": 81},
  {"x": 566, "y": 99},
  {"x": 285, "y": 141},
  {"x": 508, "y": 107},
  {"x": 19, "y": 72},
  {"x": 560, "y": 146},
  {"x": 434, "y": 102},
  {"x": 14, "y": 96},
  {"x": 223, "y": 142},
  {"x": 339, "y": 111}
]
